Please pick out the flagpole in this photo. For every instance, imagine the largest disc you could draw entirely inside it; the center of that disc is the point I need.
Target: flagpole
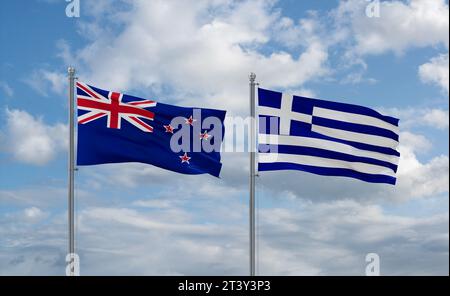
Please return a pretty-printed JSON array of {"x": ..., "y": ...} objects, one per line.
[
  {"x": 71, "y": 76},
  {"x": 252, "y": 78}
]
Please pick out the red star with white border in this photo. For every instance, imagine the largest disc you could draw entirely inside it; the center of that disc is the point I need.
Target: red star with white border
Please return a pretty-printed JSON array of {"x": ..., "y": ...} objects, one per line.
[
  {"x": 169, "y": 128},
  {"x": 205, "y": 136},
  {"x": 190, "y": 120},
  {"x": 185, "y": 158}
]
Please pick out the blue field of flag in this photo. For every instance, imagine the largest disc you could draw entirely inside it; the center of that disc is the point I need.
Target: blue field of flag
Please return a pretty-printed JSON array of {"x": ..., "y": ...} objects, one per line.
[{"x": 326, "y": 138}]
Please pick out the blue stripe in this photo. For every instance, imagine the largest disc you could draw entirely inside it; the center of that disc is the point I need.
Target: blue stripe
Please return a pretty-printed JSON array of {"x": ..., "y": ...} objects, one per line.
[
  {"x": 300, "y": 150},
  {"x": 306, "y": 105},
  {"x": 354, "y": 127},
  {"x": 269, "y": 98},
  {"x": 327, "y": 172},
  {"x": 103, "y": 92},
  {"x": 81, "y": 92},
  {"x": 304, "y": 130}
]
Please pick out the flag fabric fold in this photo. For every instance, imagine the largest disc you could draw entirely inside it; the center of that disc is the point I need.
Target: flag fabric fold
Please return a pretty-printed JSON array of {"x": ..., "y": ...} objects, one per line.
[
  {"x": 116, "y": 128},
  {"x": 326, "y": 138}
]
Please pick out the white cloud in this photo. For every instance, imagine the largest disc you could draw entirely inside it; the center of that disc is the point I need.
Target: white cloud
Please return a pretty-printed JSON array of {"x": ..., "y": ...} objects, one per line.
[
  {"x": 401, "y": 25},
  {"x": 38, "y": 196},
  {"x": 294, "y": 35},
  {"x": 438, "y": 118},
  {"x": 207, "y": 52},
  {"x": 64, "y": 51},
  {"x": 414, "y": 142},
  {"x": 334, "y": 237},
  {"x": 153, "y": 203},
  {"x": 301, "y": 238},
  {"x": 416, "y": 179},
  {"x": 419, "y": 116},
  {"x": 436, "y": 72},
  {"x": 357, "y": 77},
  {"x": 34, "y": 214},
  {"x": 30, "y": 140},
  {"x": 4, "y": 86},
  {"x": 135, "y": 219},
  {"x": 31, "y": 215},
  {"x": 46, "y": 82}
]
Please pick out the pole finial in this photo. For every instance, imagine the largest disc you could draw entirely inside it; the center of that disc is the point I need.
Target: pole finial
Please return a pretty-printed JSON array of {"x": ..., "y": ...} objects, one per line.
[
  {"x": 71, "y": 70},
  {"x": 252, "y": 77}
]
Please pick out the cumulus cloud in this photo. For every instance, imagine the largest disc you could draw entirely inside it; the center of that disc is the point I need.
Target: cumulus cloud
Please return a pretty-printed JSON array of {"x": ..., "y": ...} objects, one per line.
[
  {"x": 207, "y": 52},
  {"x": 414, "y": 142},
  {"x": 436, "y": 72},
  {"x": 307, "y": 239},
  {"x": 294, "y": 238},
  {"x": 401, "y": 25},
  {"x": 438, "y": 118},
  {"x": 299, "y": 34},
  {"x": 30, "y": 140},
  {"x": 416, "y": 179},
  {"x": 414, "y": 117},
  {"x": 341, "y": 233}
]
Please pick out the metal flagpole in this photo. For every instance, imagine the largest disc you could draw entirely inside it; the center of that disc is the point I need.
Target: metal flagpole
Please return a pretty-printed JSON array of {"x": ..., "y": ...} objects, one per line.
[
  {"x": 71, "y": 74},
  {"x": 252, "y": 145}
]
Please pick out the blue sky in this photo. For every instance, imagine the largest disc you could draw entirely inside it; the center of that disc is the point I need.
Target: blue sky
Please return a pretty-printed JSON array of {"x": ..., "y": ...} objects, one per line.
[{"x": 199, "y": 53}]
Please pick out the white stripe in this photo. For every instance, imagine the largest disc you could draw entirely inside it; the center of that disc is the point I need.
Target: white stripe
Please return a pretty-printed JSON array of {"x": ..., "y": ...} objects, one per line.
[
  {"x": 354, "y": 118},
  {"x": 135, "y": 115},
  {"x": 93, "y": 91},
  {"x": 146, "y": 105},
  {"x": 326, "y": 145},
  {"x": 89, "y": 114},
  {"x": 127, "y": 118},
  {"x": 268, "y": 111},
  {"x": 301, "y": 117},
  {"x": 102, "y": 99},
  {"x": 286, "y": 110},
  {"x": 325, "y": 162},
  {"x": 355, "y": 137},
  {"x": 91, "y": 109},
  {"x": 140, "y": 106}
]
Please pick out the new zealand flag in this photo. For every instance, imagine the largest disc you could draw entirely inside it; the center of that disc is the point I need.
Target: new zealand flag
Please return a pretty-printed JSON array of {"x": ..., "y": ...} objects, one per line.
[{"x": 115, "y": 127}]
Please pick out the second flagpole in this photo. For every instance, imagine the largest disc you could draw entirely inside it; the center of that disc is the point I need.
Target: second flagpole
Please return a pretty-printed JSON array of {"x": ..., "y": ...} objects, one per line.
[{"x": 252, "y": 145}]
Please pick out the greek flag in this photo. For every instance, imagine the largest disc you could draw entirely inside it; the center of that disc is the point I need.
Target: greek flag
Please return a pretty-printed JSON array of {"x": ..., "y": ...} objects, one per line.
[{"x": 326, "y": 138}]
